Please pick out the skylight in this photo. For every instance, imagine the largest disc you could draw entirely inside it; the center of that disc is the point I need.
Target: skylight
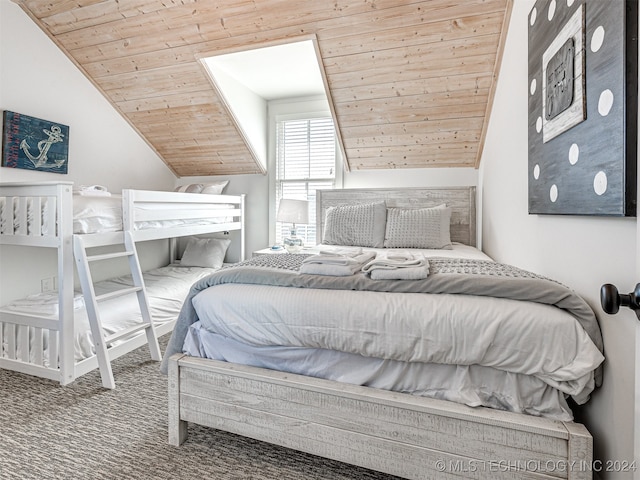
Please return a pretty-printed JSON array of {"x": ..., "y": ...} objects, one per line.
[{"x": 247, "y": 80}]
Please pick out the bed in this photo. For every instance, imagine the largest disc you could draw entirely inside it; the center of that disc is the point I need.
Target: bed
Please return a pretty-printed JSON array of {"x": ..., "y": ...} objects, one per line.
[
  {"x": 52, "y": 335},
  {"x": 475, "y": 389}
]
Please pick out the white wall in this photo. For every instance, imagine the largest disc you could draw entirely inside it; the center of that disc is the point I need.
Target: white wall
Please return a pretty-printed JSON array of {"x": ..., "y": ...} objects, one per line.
[
  {"x": 410, "y": 177},
  {"x": 581, "y": 252},
  {"x": 37, "y": 79},
  {"x": 248, "y": 108}
]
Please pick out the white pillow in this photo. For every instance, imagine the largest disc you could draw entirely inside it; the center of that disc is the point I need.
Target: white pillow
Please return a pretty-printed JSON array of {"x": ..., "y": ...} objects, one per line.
[
  {"x": 205, "y": 252},
  {"x": 216, "y": 188},
  {"x": 418, "y": 228},
  {"x": 190, "y": 188},
  {"x": 358, "y": 225}
]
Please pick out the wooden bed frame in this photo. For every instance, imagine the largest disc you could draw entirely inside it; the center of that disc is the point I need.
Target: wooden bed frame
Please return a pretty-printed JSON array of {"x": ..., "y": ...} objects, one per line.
[
  {"x": 400, "y": 434},
  {"x": 23, "y": 333}
]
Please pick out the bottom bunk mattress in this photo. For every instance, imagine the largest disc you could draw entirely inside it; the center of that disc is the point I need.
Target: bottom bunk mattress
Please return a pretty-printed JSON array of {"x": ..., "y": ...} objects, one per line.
[
  {"x": 474, "y": 331},
  {"x": 167, "y": 287}
]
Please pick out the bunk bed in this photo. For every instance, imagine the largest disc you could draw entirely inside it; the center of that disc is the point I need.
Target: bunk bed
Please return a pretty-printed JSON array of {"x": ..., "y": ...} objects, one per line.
[
  {"x": 264, "y": 377},
  {"x": 64, "y": 337}
]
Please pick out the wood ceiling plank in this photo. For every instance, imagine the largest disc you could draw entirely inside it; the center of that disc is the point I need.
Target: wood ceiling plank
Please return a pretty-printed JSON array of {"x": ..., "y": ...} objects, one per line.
[
  {"x": 176, "y": 114},
  {"x": 195, "y": 141},
  {"x": 213, "y": 154},
  {"x": 130, "y": 86},
  {"x": 481, "y": 46},
  {"x": 416, "y": 71},
  {"x": 442, "y": 99},
  {"x": 217, "y": 164},
  {"x": 166, "y": 142},
  {"x": 423, "y": 159},
  {"x": 140, "y": 62},
  {"x": 456, "y": 84},
  {"x": 448, "y": 137},
  {"x": 195, "y": 150},
  {"x": 45, "y": 8},
  {"x": 403, "y": 151},
  {"x": 421, "y": 34},
  {"x": 193, "y": 133},
  {"x": 170, "y": 100},
  {"x": 296, "y": 13},
  {"x": 185, "y": 23},
  {"x": 409, "y": 16},
  {"x": 401, "y": 115},
  {"x": 187, "y": 127},
  {"x": 106, "y": 12},
  {"x": 141, "y": 49},
  {"x": 471, "y": 124}
]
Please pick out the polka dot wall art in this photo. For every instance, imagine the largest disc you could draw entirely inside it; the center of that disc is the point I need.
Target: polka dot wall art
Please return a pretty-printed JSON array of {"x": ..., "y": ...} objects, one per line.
[{"x": 582, "y": 93}]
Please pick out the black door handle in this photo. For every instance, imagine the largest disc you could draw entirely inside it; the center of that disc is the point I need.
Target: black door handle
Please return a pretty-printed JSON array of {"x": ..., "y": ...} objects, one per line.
[{"x": 611, "y": 300}]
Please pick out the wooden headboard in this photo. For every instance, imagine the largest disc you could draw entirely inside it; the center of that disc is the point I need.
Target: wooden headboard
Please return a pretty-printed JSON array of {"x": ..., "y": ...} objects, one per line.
[{"x": 462, "y": 201}]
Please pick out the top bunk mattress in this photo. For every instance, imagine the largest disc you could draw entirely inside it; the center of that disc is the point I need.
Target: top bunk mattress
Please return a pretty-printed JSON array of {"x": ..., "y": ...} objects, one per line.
[
  {"x": 104, "y": 214},
  {"x": 100, "y": 214}
]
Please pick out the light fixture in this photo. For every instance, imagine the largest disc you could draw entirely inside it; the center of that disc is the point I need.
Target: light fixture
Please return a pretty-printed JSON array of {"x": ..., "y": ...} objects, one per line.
[{"x": 293, "y": 211}]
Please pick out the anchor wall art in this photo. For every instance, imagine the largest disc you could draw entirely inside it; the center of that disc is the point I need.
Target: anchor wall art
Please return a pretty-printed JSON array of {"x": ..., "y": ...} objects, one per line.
[{"x": 34, "y": 144}]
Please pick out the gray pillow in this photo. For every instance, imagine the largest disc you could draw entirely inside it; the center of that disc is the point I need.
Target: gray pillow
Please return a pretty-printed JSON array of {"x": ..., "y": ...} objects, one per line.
[
  {"x": 418, "y": 228},
  {"x": 205, "y": 252},
  {"x": 358, "y": 225}
]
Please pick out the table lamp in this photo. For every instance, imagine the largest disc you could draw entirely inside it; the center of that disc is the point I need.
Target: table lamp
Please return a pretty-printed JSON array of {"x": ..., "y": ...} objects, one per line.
[{"x": 293, "y": 211}]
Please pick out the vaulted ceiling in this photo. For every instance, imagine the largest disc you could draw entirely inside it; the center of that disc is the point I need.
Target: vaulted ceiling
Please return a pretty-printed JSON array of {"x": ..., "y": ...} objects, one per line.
[{"x": 411, "y": 82}]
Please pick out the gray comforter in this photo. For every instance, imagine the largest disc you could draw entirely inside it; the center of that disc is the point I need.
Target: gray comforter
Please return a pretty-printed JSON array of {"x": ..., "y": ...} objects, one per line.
[{"x": 446, "y": 276}]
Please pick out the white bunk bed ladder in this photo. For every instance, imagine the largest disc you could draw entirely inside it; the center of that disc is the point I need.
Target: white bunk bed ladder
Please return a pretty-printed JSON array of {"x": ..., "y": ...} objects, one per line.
[{"x": 102, "y": 341}]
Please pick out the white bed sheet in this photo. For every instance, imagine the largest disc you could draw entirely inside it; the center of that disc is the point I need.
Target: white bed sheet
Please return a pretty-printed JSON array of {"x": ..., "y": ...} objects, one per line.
[
  {"x": 471, "y": 385},
  {"x": 521, "y": 337},
  {"x": 167, "y": 287}
]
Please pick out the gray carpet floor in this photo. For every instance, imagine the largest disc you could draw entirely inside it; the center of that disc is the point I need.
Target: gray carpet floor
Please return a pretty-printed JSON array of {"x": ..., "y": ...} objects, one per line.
[{"x": 82, "y": 431}]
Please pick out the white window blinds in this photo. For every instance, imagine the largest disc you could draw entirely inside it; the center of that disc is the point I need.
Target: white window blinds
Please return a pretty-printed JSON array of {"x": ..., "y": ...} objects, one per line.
[{"x": 306, "y": 161}]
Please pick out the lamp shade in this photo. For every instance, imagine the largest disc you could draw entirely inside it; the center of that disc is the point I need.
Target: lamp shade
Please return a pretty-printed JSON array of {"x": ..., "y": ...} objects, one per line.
[{"x": 293, "y": 211}]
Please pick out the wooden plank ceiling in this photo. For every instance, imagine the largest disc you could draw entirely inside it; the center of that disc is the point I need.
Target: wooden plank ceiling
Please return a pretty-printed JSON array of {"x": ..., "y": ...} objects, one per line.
[{"x": 411, "y": 81}]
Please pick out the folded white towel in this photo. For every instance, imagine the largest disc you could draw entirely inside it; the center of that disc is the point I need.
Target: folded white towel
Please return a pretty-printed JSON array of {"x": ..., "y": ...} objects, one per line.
[
  {"x": 408, "y": 273},
  {"x": 394, "y": 260},
  {"x": 397, "y": 266},
  {"x": 330, "y": 270},
  {"x": 336, "y": 264}
]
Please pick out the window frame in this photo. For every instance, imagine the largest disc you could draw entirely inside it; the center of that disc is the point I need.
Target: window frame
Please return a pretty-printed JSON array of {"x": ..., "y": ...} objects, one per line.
[{"x": 298, "y": 109}]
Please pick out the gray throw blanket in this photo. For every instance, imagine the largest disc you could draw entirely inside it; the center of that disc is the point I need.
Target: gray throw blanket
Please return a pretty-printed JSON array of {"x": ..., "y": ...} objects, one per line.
[{"x": 449, "y": 276}]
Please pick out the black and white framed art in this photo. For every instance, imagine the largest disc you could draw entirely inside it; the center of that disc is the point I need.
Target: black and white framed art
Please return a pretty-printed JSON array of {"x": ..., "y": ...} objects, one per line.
[{"x": 583, "y": 96}]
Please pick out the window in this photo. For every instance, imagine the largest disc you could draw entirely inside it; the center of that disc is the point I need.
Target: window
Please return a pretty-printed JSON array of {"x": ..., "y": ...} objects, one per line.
[{"x": 305, "y": 161}]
